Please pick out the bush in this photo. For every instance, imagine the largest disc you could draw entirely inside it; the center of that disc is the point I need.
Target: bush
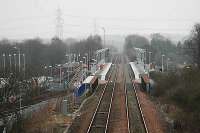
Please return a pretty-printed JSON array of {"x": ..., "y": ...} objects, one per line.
[{"x": 183, "y": 90}]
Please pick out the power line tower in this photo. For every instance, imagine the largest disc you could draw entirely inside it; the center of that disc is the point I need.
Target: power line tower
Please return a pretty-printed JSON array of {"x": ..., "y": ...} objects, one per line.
[{"x": 59, "y": 24}]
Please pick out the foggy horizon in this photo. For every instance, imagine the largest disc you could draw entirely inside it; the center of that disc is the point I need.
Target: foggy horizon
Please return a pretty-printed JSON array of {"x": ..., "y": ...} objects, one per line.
[{"x": 30, "y": 19}]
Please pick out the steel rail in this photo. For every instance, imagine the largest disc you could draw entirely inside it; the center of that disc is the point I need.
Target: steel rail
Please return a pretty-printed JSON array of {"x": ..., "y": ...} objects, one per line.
[
  {"x": 100, "y": 100},
  {"x": 126, "y": 102},
  {"x": 126, "y": 99},
  {"x": 110, "y": 106},
  {"x": 139, "y": 106}
]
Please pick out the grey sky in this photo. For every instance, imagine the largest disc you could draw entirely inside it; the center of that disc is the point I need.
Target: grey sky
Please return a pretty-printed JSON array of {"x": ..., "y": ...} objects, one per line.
[{"x": 30, "y": 18}]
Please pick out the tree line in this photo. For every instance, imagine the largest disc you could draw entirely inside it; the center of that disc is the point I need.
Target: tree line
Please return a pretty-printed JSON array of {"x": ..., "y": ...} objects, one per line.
[
  {"x": 39, "y": 54},
  {"x": 187, "y": 51}
]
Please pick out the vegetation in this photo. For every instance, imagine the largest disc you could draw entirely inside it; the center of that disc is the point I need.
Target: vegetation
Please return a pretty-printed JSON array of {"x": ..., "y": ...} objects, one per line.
[
  {"x": 178, "y": 92},
  {"x": 182, "y": 90},
  {"x": 39, "y": 54},
  {"x": 161, "y": 45},
  {"x": 133, "y": 41},
  {"x": 191, "y": 46},
  {"x": 158, "y": 45},
  {"x": 136, "y": 41}
]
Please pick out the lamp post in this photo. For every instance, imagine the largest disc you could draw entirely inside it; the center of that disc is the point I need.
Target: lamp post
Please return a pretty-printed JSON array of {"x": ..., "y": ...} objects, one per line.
[
  {"x": 19, "y": 61},
  {"x": 144, "y": 59},
  {"x": 10, "y": 62},
  {"x": 85, "y": 58},
  {"x": 145, "y": 56},
  {"x": 67, "y": 57},
  {"x": 60, "y": 74},
  {"x": 81, "y": 63},
  {"x": 20, "y": 101},
  {"x": 75, "y": 57},
  {"x": 45, "y": 72},
  {"x": 24, "y": 66},
  {"x": 19, "y": 57},
  {"x": 15, "y": 61},
  {"x": 50, "y": 70},
  {"x": 79, "y": 55},
  {"x": 150, "y": 57},
  {"x": 4, "y": 63},
  {"x": 163, "y": 62},
  {"x": 68, "y": 60},
  {"x": 168, "y": 59}
]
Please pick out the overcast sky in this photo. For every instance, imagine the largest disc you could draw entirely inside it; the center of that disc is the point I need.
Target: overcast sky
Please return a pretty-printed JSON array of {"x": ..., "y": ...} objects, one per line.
[{"x": 37, "y": 18}]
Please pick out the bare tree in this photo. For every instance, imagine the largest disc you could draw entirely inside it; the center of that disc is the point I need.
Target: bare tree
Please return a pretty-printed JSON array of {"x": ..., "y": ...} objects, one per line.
[{"x": 196, "y": 38}]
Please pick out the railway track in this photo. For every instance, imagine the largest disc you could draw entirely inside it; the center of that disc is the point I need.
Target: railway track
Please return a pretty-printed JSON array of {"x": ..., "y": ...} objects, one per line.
[
  {"x": 119, "y": 117},
  {"x": 140, "y": 108},
  {"x": 100, "y": 118},
  {"x": 112, "y": 110},
  {"x": 118, "y": 109},
  {"x": 126, "y": 99},
  {"x": 133, "y": 99}
]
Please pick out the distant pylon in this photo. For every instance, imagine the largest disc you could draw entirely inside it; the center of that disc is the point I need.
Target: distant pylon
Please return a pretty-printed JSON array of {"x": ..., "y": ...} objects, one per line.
[{"x": 59, "y": 24}]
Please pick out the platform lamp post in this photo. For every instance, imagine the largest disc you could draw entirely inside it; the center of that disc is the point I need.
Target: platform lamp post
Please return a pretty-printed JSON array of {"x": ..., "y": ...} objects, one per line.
[
  {"x": 163, "y": 62},
  {"x": 51, "y": 71},
  {"x": 150, "y": 57},
  {"x": 67, "y": 58},
  {"x": 79, "y": 55},
  {"x": 19, "y": 58},
  {"x": 4, "y": 63},
  {"x": 144, "y": 58},
  {"x": 45, "y": 70},
  {"x": 87, "y": 61},
  {"x": 10, "y": 60},
  {"x": 24, "y": 66},
  {"x": 145, "y": 53},
  {"x": 168, "y": 59},
  {"x": 15, "y": 62},
  {"x": 60, "y": 74},
  {"x": 20, "y": 100},
  {"x": 85, "y": 58},
  {"x": 81, "y": 64}
]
